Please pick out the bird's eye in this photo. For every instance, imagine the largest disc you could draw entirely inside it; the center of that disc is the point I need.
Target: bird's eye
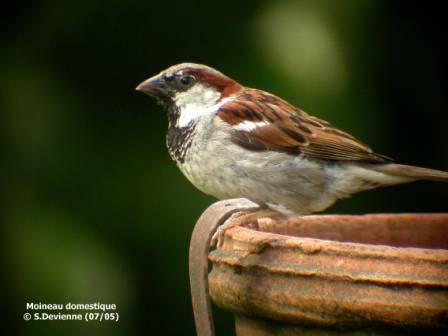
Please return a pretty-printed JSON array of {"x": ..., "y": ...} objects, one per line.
[{"x": 186, "y": 80}]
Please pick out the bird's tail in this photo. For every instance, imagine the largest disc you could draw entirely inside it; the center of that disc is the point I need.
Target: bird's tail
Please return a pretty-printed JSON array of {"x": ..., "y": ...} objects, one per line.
[{"x": 412, "y": 172}]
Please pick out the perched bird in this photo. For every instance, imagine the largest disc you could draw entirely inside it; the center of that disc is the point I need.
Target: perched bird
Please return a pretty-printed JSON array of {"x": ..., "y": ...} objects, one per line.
[{"x": 233, "y": 141}]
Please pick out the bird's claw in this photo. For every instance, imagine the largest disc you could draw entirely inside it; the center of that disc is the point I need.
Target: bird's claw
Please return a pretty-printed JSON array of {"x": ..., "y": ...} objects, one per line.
[{"x": 251, "y": 219}]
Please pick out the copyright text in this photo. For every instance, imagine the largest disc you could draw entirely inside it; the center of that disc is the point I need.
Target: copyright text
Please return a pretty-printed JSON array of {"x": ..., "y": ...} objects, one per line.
[{"x": 69, "y": 311}]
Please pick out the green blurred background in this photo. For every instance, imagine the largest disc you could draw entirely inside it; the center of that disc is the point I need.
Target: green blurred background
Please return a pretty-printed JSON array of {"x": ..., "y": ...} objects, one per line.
[{"x": 95, "y": 210}]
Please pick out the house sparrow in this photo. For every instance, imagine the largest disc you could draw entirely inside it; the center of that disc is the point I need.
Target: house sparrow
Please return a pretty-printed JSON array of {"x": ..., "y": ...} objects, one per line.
[{"x": 233, "y": 141}]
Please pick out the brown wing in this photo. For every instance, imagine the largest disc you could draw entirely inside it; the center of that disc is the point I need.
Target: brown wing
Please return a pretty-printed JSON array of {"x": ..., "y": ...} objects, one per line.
[{"x": 261, "y": 121}]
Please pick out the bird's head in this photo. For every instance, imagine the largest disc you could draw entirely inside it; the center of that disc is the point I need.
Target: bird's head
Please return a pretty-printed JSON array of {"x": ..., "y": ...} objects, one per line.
[{"x": 190, "y": 87}]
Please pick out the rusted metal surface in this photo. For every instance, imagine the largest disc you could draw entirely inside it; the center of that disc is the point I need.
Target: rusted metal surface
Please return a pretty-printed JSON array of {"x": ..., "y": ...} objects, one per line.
[
  {"x": 398, "y": 230},
  {"x": 249, "y": 326},
  {"x": 374, "y": 272},
  {"x": 203, "y": 231}
]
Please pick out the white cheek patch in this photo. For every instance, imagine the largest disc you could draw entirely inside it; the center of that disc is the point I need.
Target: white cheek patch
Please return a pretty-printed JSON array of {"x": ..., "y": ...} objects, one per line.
[
  {"x": 189, "y": 113},
  {"x": 248, "y": 126},
  {"x": 199, "y": 100}
]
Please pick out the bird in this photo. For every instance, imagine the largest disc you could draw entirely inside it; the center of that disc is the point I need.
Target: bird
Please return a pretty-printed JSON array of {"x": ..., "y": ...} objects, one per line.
[{"x": 232, "y": 141}]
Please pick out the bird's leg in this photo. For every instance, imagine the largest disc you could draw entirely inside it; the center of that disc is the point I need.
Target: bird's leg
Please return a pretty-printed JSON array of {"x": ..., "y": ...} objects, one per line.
[{"x": 250, "y": 218}]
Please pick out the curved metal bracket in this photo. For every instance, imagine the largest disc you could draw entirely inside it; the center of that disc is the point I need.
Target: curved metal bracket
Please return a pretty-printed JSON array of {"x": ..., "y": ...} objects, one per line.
[{"x": 203, "y": 231}]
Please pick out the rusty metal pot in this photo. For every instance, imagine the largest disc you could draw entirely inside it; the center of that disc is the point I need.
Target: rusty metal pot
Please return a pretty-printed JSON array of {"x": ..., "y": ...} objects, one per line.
[{"x": 332, "y": 274}]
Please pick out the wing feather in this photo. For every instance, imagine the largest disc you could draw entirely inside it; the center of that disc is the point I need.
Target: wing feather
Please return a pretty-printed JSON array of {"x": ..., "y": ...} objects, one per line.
[{"x": 279, "y": 126}]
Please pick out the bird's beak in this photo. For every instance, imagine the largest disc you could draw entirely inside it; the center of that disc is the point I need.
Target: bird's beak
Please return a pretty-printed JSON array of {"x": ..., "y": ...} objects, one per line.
[{"x": 153, "y": 86}]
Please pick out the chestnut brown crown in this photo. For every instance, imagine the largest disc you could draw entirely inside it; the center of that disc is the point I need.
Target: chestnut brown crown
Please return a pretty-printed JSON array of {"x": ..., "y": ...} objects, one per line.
[{"x": 182, "y": 77}]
